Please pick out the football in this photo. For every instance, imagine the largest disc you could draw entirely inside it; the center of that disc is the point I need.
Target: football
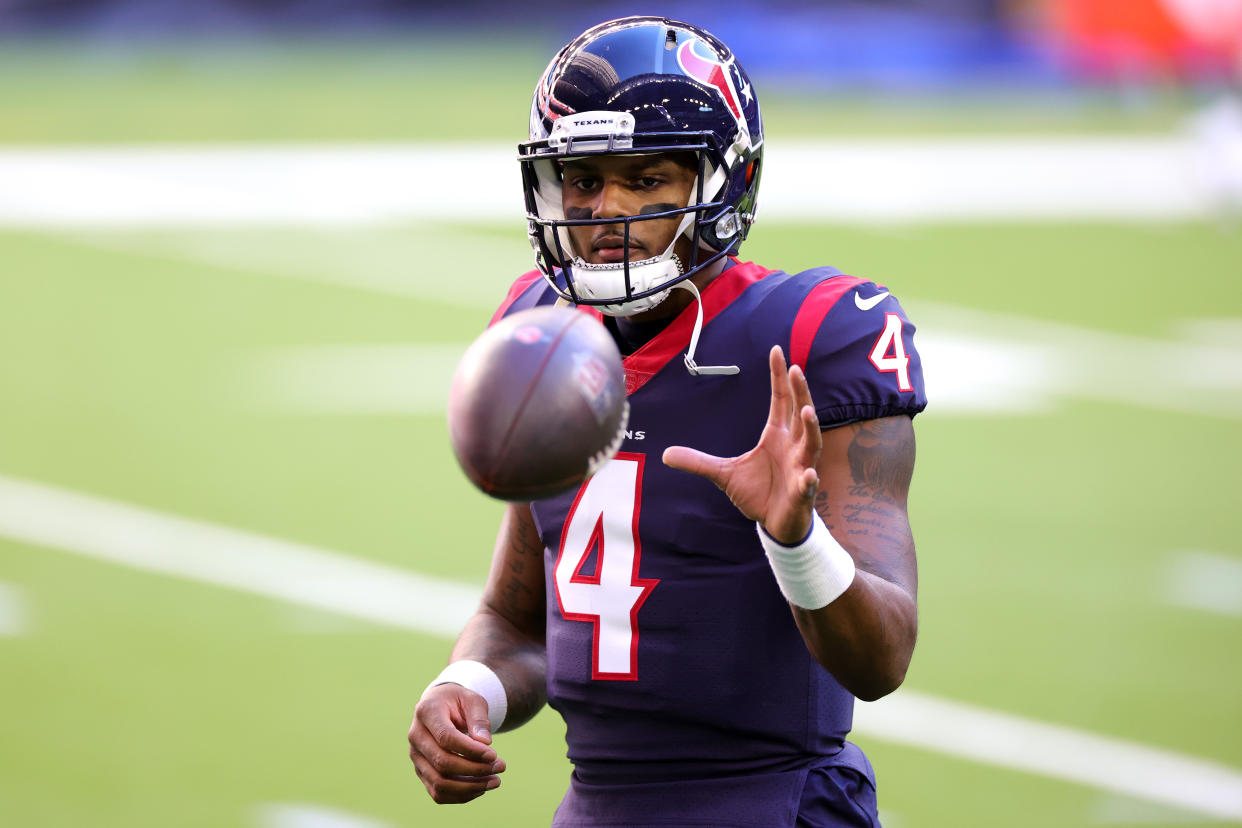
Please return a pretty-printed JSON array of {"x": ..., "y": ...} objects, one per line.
[{"x": 537, "y": 404}]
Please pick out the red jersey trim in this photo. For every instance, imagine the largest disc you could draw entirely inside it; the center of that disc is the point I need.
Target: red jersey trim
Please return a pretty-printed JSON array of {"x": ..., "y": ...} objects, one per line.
[
  {"x": 811, "y": 315},
  {"x": 647, "y": 361},
  {"x": 517, "y": 289}
]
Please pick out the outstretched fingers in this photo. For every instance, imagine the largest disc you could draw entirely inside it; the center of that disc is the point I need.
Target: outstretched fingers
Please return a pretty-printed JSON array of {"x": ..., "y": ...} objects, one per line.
[
  {"x": 697, "y": 462},
  {"x": 781, "y": 410},
  {"x": 806, "y": 432}
]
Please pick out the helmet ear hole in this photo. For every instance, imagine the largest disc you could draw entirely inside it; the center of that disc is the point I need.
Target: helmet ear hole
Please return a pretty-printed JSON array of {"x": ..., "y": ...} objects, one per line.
[{"x": 727, "y": 226}]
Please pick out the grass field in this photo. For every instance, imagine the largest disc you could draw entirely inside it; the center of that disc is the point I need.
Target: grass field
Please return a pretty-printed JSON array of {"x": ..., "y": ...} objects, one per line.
[
  {"x": 135, "y": 365},
  {"x": 422, "y": 89}
]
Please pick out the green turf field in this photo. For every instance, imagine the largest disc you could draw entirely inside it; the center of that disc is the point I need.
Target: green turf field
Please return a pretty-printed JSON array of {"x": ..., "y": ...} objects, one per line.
[
  {"x": 420, "y": 88},
  {"x": 132, "y": 368}
]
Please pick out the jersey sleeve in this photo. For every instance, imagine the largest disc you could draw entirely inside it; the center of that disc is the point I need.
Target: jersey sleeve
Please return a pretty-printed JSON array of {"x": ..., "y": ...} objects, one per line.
[
  {"x": 525, "y": 292},
  {"x": 856, "y": 345}
]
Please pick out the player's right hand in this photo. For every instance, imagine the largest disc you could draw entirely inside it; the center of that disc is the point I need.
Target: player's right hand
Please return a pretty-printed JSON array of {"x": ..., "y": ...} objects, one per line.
[
  {"x": 450, "y": 742},
  {"x": 775, "y": 482}
]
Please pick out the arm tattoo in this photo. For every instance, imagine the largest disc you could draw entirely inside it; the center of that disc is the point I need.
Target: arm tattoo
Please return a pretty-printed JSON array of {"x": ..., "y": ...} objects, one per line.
[
  {"x": 824, "y": 507},
  {"x": 507, "y": 632},
  {"x": 515, "y": 593},
  {"x": 881, "y": 459},
  {"x": 870, "y": 515}
]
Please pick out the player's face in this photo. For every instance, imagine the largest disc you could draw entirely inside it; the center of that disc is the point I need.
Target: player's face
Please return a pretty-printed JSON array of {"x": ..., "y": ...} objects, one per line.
[{"x": 614, "y": 186}]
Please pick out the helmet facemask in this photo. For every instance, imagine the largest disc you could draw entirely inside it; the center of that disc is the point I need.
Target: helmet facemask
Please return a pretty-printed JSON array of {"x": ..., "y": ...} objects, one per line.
[
  {"x": 642, "y": 86},
  {"x": 627, "y": 287}
]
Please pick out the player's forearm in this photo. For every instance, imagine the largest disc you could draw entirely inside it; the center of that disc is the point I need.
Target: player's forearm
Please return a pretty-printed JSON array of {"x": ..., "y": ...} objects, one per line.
[
  {"x": 519, "y": 659},
  {"x": 507, "y": 631},
  {"x": 866, "y": 637},
  {"x": 856, "y": 608}
]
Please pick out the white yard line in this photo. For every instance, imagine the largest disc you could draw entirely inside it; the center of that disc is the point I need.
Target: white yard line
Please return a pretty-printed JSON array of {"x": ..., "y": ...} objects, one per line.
[
  {"x": 419, "y": 261},
  {"x": 13, "y": 615},
  {"x": 875, "y": 180},
  {"x": 198, "y": 551},
  {"x": 42, "y": 515},
  {"x": 168, "y": 185},
  {"x": 975, "y": 363},
  {"x": 1194, "y": 374},
  {"x": 353, "y": 379},
  {"x": 1055, "y": 751},
  {"x": 307, "y": 815},
  {"x": 1116, "y": 809},
  {"x": 1204, "y": 581},
  {"x": 973, "y": 375}
]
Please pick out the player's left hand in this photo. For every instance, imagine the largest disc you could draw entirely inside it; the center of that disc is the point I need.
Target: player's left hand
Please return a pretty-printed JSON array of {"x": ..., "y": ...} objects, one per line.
[
  {"x": 450, "y": 745},
  {"x": 773, "y": 483}
]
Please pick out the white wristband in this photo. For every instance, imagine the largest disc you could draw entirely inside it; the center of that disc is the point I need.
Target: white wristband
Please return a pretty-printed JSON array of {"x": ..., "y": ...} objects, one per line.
[
  {"x": 477, "y": 676},
  {"x": 814, "y": 573}
]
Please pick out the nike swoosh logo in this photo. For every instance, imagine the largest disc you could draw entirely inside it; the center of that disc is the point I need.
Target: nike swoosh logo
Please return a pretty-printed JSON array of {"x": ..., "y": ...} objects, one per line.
[{"x": 868, "y": 304}]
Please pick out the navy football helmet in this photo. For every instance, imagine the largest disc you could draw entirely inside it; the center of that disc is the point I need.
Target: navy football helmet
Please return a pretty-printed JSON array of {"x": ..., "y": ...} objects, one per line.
[{"x": 642, "y": 85}]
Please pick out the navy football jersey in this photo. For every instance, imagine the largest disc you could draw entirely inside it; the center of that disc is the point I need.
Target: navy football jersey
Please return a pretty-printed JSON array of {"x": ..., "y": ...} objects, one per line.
[{"x": 671, "y": 651}]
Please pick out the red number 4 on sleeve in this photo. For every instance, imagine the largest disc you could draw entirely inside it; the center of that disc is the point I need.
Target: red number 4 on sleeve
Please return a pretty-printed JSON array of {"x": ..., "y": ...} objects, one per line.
[{"x": 897, "y": 362}]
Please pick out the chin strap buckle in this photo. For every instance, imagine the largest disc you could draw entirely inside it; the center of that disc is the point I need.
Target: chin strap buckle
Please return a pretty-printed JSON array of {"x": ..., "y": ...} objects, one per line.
[
  {"x": 709, "y": 370},
  {"x": 694, "y": 368}
]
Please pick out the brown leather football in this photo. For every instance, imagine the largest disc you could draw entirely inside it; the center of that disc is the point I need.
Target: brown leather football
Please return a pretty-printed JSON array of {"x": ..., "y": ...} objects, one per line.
[{"x": 537, "y": 404}]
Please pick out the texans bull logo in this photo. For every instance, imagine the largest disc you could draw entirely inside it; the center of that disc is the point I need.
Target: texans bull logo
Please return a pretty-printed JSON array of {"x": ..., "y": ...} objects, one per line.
[{"x": 709, "y": 71}]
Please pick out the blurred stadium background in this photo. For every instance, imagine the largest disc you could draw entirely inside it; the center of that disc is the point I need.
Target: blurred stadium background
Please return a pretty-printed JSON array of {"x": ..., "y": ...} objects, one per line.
[{"x": 242, "y": 243}]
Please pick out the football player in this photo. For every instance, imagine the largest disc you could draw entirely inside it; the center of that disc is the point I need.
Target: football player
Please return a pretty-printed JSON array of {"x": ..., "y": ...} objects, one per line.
[{"x": 703, "y": 611}]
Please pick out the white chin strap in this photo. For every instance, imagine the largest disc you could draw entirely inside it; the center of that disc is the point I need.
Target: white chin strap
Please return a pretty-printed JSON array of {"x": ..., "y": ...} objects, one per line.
[
  {"x": 695, "y": 369},
  {"x": 597, "y": 281}
]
